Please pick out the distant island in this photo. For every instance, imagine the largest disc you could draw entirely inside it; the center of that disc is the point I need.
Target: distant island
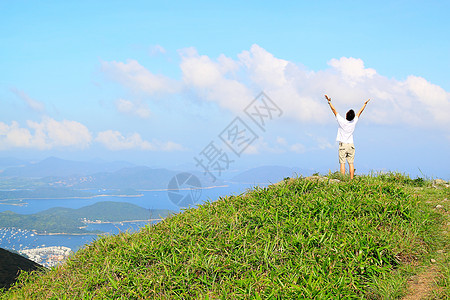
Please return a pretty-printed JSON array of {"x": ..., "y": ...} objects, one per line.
[
  {"x": 43, "y": 192},
  {"x": 60, "y": 220}
]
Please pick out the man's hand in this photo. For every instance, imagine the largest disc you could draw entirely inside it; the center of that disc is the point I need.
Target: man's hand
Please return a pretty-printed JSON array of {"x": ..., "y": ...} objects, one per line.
[{"x": 328, "y": 98}]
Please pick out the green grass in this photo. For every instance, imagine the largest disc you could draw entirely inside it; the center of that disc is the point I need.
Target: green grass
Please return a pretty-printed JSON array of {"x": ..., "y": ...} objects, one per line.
[
  {"x": 310, "y": 239},
  {"x": 431, "y": 196}
]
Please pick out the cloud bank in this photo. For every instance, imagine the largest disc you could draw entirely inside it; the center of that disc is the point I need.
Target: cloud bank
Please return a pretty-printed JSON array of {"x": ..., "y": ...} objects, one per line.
[
  {"x": 232, "y": 84},
  {"x": 137, "y": 78},
  {"x": 50, "y": 134},
  {"x": 114, "y": 140},
  {"x": 45, "y": 135}
]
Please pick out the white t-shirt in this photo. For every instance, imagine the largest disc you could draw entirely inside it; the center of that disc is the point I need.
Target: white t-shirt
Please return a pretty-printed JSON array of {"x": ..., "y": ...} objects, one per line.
[{"x": 345, "y": 130}]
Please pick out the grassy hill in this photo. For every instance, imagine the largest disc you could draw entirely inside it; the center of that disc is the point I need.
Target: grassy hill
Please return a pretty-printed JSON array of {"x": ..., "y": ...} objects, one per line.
[
  {"x": 315, "y": 238},
  {"x": 11, "y": 264}
]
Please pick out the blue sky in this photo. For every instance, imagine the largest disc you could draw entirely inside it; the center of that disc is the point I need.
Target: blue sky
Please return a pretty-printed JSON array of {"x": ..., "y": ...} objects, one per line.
[{"x": 156, "y": 83}]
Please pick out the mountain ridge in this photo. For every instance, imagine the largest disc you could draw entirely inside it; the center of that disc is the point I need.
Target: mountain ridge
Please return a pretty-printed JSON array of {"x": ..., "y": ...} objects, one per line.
[{"x": 53, "y": 166}]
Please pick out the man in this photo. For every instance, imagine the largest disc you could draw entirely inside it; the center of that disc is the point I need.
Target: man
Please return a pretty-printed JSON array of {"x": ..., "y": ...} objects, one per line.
[{"x": 345, "y": 136}]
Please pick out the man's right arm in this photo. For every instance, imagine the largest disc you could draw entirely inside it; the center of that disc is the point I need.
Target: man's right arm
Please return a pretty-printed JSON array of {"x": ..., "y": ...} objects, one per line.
[
  {"x": 331, "y": 105},
  {"x": 362, "y": 108}
]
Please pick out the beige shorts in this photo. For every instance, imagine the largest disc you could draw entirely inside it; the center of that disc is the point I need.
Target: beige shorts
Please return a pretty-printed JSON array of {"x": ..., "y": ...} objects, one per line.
[{"x": 346, "y": 152}]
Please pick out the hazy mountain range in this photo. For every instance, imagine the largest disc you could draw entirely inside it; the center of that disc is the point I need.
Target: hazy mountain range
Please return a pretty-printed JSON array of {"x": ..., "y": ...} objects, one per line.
[
  {"x": 54, "y": 166},
  {"x": 56, "y": 172}
]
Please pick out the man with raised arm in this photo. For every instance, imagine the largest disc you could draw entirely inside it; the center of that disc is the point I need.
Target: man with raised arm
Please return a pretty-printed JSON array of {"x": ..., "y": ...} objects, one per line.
[{"x": 345, "y": 136}]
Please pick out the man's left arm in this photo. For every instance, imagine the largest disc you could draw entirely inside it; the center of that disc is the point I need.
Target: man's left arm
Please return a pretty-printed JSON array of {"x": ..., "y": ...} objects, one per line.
[
  {"x": 331, "y": 105},
  {"x": 362, "y": 108}
]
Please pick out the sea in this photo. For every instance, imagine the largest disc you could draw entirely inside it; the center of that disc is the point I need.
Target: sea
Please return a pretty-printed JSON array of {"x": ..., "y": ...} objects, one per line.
[{"x": 15, "y": 239}]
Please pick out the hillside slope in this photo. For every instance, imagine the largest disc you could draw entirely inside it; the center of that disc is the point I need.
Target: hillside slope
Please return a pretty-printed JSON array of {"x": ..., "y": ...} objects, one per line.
[
  {"x": 302, "y": 238},
  {"x": 11, "y": 264}
]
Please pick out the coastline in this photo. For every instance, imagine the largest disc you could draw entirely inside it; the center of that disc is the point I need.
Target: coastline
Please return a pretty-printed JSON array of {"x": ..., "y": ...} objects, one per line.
[
  {"x": 185, "y": 189},
  {"x": 13, "y": 204},
  {"x": 62, "y": 198},
  {"x": 94, "y": 222},
  {"x": 114, "y": 222},
  {"x": 66, "y": 233},
  {"x": 5, "y": 201}
]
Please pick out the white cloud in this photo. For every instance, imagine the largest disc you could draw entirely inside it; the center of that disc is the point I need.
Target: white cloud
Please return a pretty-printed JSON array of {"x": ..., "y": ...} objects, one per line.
[
  {"x": 352, "y": 69},
  {"x": 233, "y": 83},
  {"x": 297, "y": 148},
  {"x": 65, "y": 133},
  {"x": 278, "y": 146},
  {"x": 251, "y": 149},
  {"x": 299, "y": 92},
  {"x": 261, "y": 145},
  {"x": 285, "y": 83},
  {"x": 282, "y": 145},
  {"x": 47, "y": 134},
  {"x": 157, "y": 49},
  {"x": 435, "y": 99},
  {"x": 169, "y": 146},
  {"x": 138, "y": 79},
  {"x": 264, "y": 68},
  {"x": 114, "y": 140},
  {"x": 281, "y": 141},
  {"x": 323, "y": 143},
  {"x": 12, "y": 136},
  {"x": 140, "y": 110},
  {"x": 31, "y": 103},
  {"x": 213, "y": 81}
]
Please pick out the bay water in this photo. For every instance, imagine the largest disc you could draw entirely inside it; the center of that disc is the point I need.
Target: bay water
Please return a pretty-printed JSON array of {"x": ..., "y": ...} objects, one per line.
[{"x": 19, "y": 239}]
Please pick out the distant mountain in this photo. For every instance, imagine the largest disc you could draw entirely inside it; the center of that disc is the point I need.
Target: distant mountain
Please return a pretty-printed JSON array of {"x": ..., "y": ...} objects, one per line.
[
  {"x": 139, "y": 178},
  {"x": 56, "y": 172},
  {"x": 69, "y": 220},
  {"x": 11, "y": 264},
  {"x": 134, "y": 178},
  {"x": 110, "y": 211},
  {"x": 58, "y": 167},
  {"x": 264, "y": 175},
  {"x": 44, "y": 192},
  {"x": 6, "y": 162}
]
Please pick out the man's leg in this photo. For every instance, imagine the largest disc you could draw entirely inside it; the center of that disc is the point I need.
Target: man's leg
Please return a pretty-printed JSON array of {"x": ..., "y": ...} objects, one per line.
[
  {"x": 342, "y": 158},
  {"x": 350, "y": 159}
]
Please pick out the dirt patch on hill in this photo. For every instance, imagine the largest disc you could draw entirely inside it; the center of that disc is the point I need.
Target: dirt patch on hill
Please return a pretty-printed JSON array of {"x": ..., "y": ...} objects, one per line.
[{"x": 421, "y": 285}]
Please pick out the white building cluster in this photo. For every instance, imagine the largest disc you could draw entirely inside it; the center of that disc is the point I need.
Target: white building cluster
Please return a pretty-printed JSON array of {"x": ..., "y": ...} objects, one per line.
[{"x": 48, "y": 256}]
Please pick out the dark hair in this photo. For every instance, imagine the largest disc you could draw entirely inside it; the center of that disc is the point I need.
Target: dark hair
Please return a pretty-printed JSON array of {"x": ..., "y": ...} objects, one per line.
[{"x": 350, "y": 115}]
